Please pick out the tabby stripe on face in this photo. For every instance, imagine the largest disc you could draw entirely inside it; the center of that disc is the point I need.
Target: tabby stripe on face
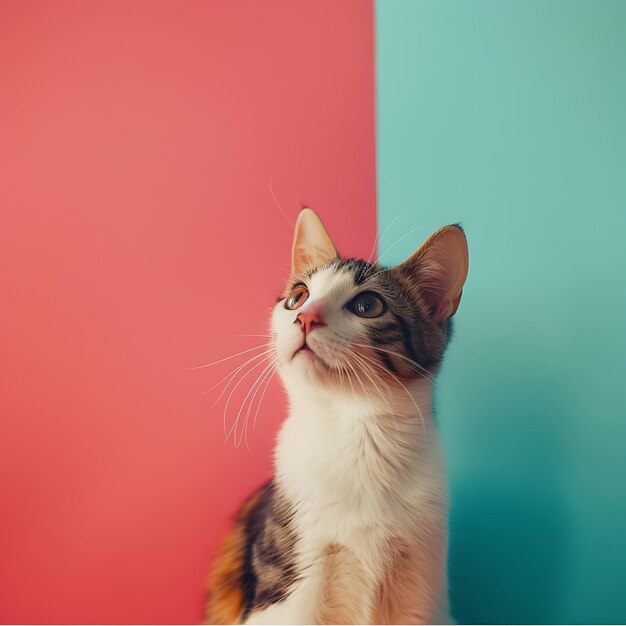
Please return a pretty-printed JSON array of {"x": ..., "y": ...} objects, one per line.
[
  {"x": 386, "y": 359},
  {"x": 407, "y": 337},
  {"x": 386, "y": 329},
  {"x": 361, "y": 271}
]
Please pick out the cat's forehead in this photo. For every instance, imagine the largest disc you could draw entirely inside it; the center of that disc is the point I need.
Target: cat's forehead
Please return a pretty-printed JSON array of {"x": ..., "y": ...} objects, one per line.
[
  {"x": 330, "y": 281},
  {"x": 339, "y": 277}
]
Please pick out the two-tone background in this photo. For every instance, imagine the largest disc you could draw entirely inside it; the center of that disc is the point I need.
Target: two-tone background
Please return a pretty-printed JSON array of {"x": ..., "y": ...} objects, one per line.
[{"x": 140, "y": 236}]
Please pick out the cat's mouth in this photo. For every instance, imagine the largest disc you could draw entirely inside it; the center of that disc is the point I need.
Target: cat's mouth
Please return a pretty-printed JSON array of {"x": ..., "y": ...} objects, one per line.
[
  {"x": 306, "y": 352},
  {"x": 304, "y": 348}
]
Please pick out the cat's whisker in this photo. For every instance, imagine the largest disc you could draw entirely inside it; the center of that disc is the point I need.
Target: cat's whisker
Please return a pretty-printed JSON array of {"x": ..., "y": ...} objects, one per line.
[
  {"x": 232, "y": 375},
  {"x": 378, "y": 273},
  {"x": 252, "y": 391},
  {"x": 236, "y": 421},
  {"x": 378, "y": 240},
  {"x": 264, "y": 361},
  {"x": 374, "y": 247},
  {"x": 340, "y": 371},
  {"x": 408, "y": 393},
  {"x": 366, "y": 370},
  {"x": 343, "y": 371},
  {"x": 227, "y": 358},
  {"x": 243, "y": 404},
  {"x": 348, "y": 376},
  {"x": 393, "y": 245},
  {"x": 419, "y": 368},
  {"x": 273, "y": 363},
  {"x": 267, "y": 374},
  {"x": 352, "y": 366},
  {"x": 362, "y": 366},
  {"x": 250, "y": 370},
  {"x": 282, "y": 212},
  {"x": 258, "y": 406}
]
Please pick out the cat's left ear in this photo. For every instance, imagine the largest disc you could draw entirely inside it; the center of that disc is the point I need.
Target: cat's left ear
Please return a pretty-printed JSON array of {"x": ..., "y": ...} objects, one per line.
[
  {"x": 312, "y": 245},
  {"x": 438, "y": 270}
]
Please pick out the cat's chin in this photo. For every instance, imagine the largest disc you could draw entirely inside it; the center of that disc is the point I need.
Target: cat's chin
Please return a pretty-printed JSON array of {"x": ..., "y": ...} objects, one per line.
[
  {"x": 305, "y": 356},
  {"x": 311, "y": 364},
  {"x": 310, "y": 367}
]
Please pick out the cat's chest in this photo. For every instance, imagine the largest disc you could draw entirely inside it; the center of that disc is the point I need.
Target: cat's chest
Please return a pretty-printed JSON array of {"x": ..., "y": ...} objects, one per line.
[
  {"x": 348, "y": 485},
  {"x": 336, "y": 464}
]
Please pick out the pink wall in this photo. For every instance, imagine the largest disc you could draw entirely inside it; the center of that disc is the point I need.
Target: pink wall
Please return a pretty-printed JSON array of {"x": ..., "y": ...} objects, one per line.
[{"x": 138, "y": 236}]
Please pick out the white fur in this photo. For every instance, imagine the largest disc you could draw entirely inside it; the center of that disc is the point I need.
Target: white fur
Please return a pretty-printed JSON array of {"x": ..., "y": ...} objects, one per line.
[{"x": 365, "y": 473}]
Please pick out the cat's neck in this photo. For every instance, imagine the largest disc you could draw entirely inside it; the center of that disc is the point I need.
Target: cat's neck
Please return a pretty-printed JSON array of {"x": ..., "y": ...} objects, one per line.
[
  {"x": 333, "y": 446},
  {"x": 410, "y": 402}
]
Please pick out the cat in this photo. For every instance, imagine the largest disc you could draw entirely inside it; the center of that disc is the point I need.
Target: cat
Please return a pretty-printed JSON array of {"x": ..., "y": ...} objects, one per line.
[{"x": 352, "y": 528}]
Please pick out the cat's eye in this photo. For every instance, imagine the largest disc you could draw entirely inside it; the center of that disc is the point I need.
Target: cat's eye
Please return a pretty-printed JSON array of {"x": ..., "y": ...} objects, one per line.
[
  {"x": 297, "y": 297},
  {"x": 367, "y": 304}
]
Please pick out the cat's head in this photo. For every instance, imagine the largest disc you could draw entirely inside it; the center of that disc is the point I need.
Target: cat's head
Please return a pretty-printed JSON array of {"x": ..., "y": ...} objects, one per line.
[{"x": 348, "y": 324}]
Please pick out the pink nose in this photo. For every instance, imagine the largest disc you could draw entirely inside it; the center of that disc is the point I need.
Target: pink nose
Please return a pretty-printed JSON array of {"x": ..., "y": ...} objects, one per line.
[{"x": 310, "y": 319}]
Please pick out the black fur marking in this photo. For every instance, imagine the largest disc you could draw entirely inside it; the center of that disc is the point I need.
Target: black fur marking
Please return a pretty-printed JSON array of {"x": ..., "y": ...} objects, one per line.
[
  {"x": 253, "y": 526},
  {"x": 407, "y": 337},
  {"x": 361, "y": 272},
  {"x": 357, "y": 267},
  {"x": 269, "y": 570},
  {"x": 386, "y": 359},
  {"x": 387, "y": 327}
]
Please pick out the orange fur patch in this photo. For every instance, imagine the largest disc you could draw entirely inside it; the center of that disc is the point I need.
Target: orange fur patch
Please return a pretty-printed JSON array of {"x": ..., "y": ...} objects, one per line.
[{"x": 225, "y": 600}]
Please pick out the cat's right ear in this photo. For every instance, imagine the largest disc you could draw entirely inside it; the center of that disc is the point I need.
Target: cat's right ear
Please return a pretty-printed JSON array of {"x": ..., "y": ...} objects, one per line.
[
  {"x": 438, "y": 271},
  {"x": 312, "y": 245}
]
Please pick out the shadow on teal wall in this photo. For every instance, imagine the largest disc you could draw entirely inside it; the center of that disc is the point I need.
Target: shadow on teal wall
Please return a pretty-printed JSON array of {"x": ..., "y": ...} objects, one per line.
[{"x": 510, "y": 118}]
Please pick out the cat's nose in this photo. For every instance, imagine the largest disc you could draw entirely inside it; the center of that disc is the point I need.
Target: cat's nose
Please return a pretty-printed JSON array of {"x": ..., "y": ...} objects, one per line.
[{"x": 310, "y": 319}]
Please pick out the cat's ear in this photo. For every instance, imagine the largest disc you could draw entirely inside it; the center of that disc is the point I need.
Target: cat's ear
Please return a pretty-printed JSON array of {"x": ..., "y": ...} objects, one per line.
[
  {"x": 312, "y": 246},
  {"x": 438, "y": 270}
]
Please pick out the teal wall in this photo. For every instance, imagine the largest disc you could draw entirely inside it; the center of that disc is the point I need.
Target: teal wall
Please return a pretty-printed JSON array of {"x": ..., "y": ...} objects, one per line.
[{"x": 510, "y": 118}]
